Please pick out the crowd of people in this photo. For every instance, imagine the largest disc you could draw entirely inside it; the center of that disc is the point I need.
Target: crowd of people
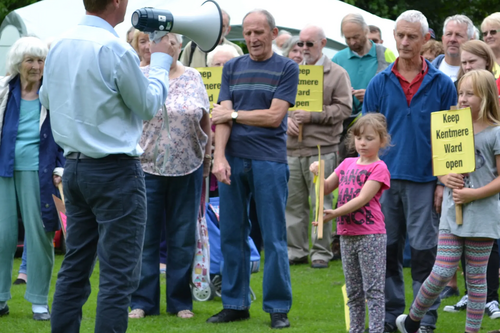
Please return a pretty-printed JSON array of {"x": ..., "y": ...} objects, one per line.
[{"x": 130, "y": 125}]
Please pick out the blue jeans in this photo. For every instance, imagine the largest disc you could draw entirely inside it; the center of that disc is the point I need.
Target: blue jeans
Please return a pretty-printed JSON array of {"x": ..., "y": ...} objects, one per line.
[
  {"x": 178, "y": 199},
  {"x": 267, "y": 182},
  {"x": 106, "y": 210},
  {"x": 163, "y": 245},
  {"x": 24, "y": 262}
]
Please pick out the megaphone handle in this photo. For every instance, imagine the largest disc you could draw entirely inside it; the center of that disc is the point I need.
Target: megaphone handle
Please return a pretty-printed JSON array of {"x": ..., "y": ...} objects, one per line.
[{"x": 156, "y": 36}]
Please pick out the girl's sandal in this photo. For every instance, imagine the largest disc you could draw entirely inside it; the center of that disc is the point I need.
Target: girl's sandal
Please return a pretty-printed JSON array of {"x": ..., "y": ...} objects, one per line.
[
  {"x": 185, "y": 314},
  {"x": 137, "y": 314}
]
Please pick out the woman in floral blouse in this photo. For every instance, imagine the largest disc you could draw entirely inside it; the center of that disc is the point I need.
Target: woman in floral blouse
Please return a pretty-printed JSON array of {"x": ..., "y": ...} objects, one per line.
[{"x": 175, "y": 162}]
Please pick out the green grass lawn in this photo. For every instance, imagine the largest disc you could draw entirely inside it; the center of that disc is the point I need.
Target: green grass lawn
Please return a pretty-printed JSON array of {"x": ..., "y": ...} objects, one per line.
[{"x": 317, "y": 307}]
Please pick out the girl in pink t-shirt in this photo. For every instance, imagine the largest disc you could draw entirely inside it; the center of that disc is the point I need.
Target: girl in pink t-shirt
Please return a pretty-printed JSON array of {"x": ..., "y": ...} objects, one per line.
[{"x": 360, "y": 222}]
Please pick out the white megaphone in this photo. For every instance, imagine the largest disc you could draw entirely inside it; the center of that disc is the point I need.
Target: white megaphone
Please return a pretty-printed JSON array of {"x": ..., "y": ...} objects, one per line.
[{"x": 203, "y": 26}]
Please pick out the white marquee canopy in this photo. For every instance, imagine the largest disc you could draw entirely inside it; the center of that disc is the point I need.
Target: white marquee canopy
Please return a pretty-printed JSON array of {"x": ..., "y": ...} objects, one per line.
[{"x": 49, "y": 18}]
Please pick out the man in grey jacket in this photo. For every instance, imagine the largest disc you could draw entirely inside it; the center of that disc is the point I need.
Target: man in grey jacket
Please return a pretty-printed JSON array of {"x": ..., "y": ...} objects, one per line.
[{"x": 319, "y": 128}]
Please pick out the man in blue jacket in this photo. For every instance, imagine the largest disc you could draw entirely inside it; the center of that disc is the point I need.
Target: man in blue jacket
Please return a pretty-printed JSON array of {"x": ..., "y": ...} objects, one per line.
[{"x": 406, "y": 93}]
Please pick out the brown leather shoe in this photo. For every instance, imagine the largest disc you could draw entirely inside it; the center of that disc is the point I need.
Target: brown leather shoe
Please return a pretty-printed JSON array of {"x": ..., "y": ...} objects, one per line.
[
  {"x": 319, "y": 264},
  {"x": 298, "y": 261}
]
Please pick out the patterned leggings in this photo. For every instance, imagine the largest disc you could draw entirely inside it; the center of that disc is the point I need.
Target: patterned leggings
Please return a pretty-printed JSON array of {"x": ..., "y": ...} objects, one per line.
[
  {"x": 363, "y": 260},
  {"x": 450, "y": 247}
]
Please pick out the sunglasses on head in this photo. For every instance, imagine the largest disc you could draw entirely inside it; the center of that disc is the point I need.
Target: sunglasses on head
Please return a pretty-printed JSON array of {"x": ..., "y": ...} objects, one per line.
[
  {"x": 308, "y": 44},
  {"x": 490, "y": 32}
]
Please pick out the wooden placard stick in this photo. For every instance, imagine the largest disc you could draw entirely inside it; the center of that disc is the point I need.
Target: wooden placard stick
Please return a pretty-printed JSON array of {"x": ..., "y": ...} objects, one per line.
[
  {"x": 321, "y": 199},
  {"x": 300, "y": 132},
  {"x": 61, "y": 213},
  {"x": 60, "y": 187},
  {"x": 458, "y": 207},
  {"x": 459, "y": 214}
]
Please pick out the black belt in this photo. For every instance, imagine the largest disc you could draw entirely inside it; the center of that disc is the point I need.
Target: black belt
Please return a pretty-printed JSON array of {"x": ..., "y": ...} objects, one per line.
[{"x": 80, "y": 156}]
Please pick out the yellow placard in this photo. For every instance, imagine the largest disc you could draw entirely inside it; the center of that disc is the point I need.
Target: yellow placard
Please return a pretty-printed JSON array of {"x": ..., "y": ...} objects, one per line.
[
  {"x": 310, "y": 89},
  {"x": 309, "y": 92},
  {"x": 452, "y": 139},
  {"x": 212, "y": 77}
]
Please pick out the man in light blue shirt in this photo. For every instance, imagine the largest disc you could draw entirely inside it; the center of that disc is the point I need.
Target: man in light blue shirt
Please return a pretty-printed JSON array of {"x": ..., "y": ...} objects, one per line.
[{"x": 98, "y": 99}]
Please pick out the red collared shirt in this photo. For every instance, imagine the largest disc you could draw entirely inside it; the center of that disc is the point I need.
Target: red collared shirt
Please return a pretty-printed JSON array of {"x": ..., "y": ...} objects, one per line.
[{"x": 410, "y": 89}]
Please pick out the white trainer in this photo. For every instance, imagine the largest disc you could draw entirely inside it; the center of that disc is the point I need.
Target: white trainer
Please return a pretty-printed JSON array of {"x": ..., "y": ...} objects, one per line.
[
  {"x": 461, "y": 305},
  {"x": 492, "y": 310}
]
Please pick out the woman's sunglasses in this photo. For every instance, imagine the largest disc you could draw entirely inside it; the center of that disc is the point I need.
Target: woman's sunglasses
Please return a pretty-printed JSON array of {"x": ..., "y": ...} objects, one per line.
[{"x": 490, "y": 32}]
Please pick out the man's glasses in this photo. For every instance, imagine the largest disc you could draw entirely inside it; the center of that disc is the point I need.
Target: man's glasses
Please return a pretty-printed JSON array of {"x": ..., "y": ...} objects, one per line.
[
  {"x": 308, "y": 44},
  {"x": 490, "y": 32}
]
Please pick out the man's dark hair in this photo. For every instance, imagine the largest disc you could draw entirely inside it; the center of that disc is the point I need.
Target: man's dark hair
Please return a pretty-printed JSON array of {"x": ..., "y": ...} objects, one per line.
[
  {"x": 96, "y": 6},
  {"x": 374, "y": 28}
]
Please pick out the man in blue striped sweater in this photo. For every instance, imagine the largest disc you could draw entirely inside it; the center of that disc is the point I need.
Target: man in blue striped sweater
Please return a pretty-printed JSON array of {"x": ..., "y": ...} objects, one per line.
[{"x": 257, "y": 90}]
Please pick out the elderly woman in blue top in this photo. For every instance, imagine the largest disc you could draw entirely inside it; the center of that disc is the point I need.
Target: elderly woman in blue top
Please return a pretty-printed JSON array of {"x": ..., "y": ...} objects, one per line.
[{"x": 28, "y": 158}]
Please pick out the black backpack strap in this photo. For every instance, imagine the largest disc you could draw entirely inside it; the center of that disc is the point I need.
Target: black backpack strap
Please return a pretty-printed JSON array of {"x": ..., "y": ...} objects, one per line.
[{"x": 193, "y": 48}]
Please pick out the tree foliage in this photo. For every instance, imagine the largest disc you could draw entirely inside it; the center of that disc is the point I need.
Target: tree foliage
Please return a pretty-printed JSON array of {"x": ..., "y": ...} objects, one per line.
[
  {"x": 6, "y": 6},
  {"x": 436, "y": 11}
]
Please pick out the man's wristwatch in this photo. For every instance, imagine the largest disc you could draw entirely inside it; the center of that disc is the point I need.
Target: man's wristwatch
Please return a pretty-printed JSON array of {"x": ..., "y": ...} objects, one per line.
[{"x": 234, "y": 115}]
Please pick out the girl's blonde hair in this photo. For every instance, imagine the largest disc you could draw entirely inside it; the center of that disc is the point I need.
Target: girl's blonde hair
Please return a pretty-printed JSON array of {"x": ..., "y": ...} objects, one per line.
[
  {"x": 484, "y": 87},
  {"x": 479, "y": 49},
  {"x": 376, "y": 121}
]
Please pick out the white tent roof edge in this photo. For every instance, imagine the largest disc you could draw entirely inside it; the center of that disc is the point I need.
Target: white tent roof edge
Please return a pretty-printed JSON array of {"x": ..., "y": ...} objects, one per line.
[{"x": 48, "y": 19}]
